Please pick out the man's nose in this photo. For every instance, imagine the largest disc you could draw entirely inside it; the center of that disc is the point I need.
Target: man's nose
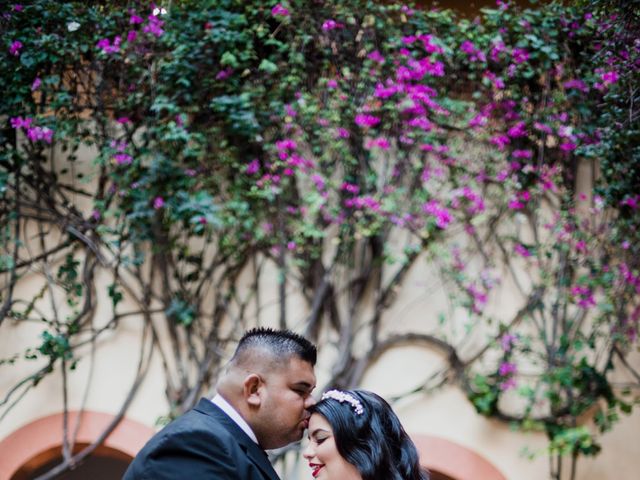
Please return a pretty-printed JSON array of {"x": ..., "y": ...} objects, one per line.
[{"x": 309, "y": 402}]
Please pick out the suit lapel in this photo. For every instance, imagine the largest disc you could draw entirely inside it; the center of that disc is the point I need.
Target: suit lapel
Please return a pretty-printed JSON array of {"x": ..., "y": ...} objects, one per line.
[
  {"x": 260, "y": 458},
  {"x": 254, "y": 453}
]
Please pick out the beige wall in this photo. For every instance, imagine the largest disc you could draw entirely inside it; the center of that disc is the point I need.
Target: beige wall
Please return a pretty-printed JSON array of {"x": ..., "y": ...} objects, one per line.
[{"x": 444, "y": 412}]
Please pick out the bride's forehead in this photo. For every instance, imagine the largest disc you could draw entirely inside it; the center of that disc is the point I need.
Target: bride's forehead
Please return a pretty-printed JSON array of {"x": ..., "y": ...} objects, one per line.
[{"x": 317, "y": 421}]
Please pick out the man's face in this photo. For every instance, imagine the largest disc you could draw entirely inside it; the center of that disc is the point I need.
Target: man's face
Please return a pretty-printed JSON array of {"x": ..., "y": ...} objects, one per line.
[{"x": 285, "y": 397}]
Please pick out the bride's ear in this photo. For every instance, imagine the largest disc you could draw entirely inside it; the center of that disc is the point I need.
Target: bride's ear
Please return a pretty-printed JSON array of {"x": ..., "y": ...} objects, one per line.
[{"x": 252, "y": 389}]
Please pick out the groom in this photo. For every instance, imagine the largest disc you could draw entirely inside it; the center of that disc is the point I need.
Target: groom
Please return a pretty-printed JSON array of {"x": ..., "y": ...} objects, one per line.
[{"x": 261, "y": 403}]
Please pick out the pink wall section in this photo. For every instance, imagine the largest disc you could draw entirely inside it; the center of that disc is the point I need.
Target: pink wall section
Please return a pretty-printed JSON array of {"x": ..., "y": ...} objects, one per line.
[{"x": 45, "y": 434}]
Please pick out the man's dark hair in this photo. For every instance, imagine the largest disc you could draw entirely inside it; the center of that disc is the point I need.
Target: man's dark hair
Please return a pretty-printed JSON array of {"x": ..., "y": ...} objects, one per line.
[{"x": 281, "y": 343}]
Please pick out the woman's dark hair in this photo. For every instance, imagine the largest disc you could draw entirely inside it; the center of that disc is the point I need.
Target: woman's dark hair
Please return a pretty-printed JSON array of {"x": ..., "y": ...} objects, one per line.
[{"x": 373, "y": 441}]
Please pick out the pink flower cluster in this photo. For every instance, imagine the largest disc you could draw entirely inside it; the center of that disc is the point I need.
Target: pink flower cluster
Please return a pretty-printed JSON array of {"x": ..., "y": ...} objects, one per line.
[
  {"x": 365, "y": 120},
  {"x": 442, "y": 215},
  {"x": 224, "y": 74},
  {"x": 154, "y": 26},
  {"x": 15, "y": 47},
  {"x": 387, "y": 90},
  {"x": 107, "y": 47},
  {"x": 474, "y": 200},
  {"x": 520, "y": 55},
  {"x": 583, "y": 296},
  {"x": 628, "y": 277},
  {"x": 507, "y": 370},
  {"x": 427, "y": 42},
  {"x": 474, "y": 54},
  {"x": 121, "y": 157},
  {"x": 34, "y": 133},
  {"x": 279, "y": 11},
  {"x": 285, "y": 147},
  {"x": 519, "y": 201},
  {"x": 365, "y": 201},
  {"x": 253, "y": 167},
  {"x": 479, "y": 297},
  {"x": 380, "y": 142},
  {"x": 376, "y": 56},
  {"x": 518, "y": 130},
  {"x": 418, "y": 69},
  {"x": 507, "y": 341},
  {"x": 632, "y": 201},
  {"x": 496, "y": 81},
  {"x": 500, "y": 141},
  {"x": 331, "y": 25},
  {"x": 576, "y": 84},
  {"x": 522, "y": 250},
  {"x": 158, "y": 203},
  {"x": 350, "y": 187}
]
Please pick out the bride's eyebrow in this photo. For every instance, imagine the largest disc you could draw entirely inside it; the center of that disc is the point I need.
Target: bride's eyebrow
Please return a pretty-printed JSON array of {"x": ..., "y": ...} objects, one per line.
[{"x": 316, "y": 431}]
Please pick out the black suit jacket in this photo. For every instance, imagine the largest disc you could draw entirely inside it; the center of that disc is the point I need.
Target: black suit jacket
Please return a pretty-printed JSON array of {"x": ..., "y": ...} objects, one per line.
[{"x": 202, "y": 444}]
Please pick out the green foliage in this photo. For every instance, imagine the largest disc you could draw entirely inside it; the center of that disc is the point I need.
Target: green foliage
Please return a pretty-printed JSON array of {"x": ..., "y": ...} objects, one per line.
[{"x": 55, "y": 346}]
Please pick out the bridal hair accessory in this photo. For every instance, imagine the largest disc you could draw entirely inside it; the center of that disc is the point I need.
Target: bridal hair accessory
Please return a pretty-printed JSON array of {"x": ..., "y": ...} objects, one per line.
[{"x": 344, "y": 397}]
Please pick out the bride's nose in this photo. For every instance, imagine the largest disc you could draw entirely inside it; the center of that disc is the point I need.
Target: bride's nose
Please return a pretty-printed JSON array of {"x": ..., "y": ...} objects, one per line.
[{"x": 309, "y": 451}]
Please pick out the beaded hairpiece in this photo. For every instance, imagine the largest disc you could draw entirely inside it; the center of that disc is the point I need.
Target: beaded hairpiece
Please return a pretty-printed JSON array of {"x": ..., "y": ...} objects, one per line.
[{"x": 342, "y": 397}]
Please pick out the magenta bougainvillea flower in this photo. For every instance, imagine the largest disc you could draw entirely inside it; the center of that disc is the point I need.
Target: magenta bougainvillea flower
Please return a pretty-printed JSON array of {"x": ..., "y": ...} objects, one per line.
[
  {"x": 366, "y": 120},
  {"x": 253, "y": 167},
  {"x": 107, "y": 47},
  {"x": 158, "y": 203},
  {"x": 34, "y": 132},
  {"x": 520, "y": 55},
  {"x": 507, "y": 368},
  {"x": 154, "y": 26},
  {"x": 331, "y": 25},
  {"x": 15, "y": 48},
  {"x": 376, "y": 56},
  {"x": 583, "y": 296},
  {"x": 279, "y": 11},
  {"x": 507, "y": 341},
  {"x": 442, "y": 215}
]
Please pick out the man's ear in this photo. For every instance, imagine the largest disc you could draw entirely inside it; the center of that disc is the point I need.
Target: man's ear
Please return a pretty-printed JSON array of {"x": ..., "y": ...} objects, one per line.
[{"x": 252, "y": 390}]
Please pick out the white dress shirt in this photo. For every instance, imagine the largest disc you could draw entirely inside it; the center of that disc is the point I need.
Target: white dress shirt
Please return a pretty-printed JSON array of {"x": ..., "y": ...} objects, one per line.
[{"x": 235, "y": 416}]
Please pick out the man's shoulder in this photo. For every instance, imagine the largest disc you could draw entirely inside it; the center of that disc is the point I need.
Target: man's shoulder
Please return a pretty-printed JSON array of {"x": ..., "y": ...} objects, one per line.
[
  {"x": 204, "y": 418},
  {"x": 203, "y": 442}
]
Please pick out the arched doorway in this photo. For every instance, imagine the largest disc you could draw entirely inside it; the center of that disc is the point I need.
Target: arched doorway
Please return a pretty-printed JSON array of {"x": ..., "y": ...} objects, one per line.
[
  {"x": 447, "y": 460},
  {"x": 103, "y": 464},
  {"x": 36, "y": 447}
]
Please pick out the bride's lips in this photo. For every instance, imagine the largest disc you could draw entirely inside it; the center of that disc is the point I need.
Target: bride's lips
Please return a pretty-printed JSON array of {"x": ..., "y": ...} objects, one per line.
[{"x": 315, "y": 469}]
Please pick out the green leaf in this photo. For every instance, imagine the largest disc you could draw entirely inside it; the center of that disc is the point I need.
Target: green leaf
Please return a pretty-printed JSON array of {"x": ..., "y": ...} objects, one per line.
[{"x": 268, "y": 66}]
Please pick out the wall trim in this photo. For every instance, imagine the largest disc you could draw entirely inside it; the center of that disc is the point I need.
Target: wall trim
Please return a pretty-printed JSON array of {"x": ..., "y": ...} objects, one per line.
[{"x": 454, "y": 460}]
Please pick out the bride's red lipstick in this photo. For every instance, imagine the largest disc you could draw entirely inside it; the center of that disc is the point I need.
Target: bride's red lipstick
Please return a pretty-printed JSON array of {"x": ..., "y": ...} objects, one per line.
[{"x": 315, "y": 469}]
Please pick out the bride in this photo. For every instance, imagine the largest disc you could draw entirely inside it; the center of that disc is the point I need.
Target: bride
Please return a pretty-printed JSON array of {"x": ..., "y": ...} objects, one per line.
[{"x": 355, "y": 435}]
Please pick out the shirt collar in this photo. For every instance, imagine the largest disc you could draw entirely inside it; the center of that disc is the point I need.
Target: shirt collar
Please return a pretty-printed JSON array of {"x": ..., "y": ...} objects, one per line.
[{"x": 235, "y": 416}]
